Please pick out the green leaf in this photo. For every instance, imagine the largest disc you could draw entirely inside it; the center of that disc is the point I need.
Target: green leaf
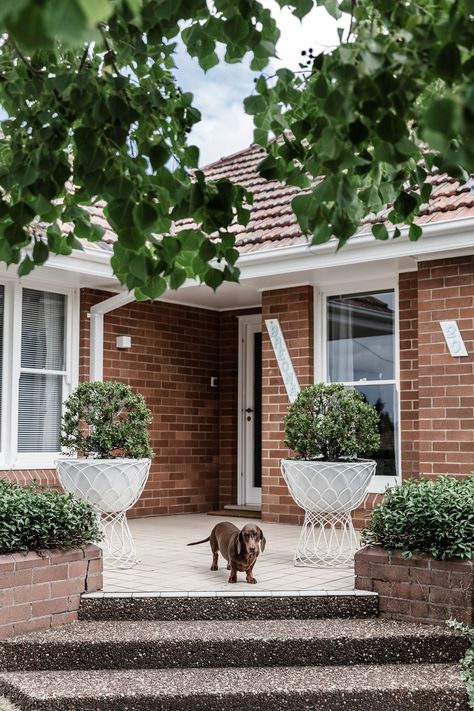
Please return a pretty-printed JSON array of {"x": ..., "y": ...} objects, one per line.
[
  {"x": 177, "y": 277},
  {"x": 21, "y": 213},
  {"x": 66, "y": 20},
  {"x": 415, "y": 232},
  {"x": 332, "y": 6},
  {"x": 159, "y": 155},
  {"x": 40, "y": 252},
  {"x": 96, "y": 10},
  {"x": 405, "y": 204},
  {"x": 154, "y": 288},
  {"x": 213, "y": 278},
  {"x": 380, "y": 232},
  {"x": 255, "y": 104},
  {"x": 448, "y": 61},
  {"x": 207, "y": 250},
  {"x": 26, "y": 267},
  {"x": 145, "y": 215}
]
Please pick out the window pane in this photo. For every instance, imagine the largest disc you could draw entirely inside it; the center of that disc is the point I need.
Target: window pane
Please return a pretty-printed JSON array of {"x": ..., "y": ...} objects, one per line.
[
  {"x": 361, "y": 337},
  {"x": 43, "y": 330},
  {"x": 2, "y": 308},
  {"x": 383, "y": 398},
  {"x": 39, "y": 412}
]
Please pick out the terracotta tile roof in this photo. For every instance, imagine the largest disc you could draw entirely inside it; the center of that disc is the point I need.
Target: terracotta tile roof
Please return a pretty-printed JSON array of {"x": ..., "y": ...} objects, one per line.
[{"x": 272, "y": 223}]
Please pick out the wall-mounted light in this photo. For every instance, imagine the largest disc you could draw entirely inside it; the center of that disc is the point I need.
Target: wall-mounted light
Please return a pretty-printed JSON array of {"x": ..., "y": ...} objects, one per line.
[{"x": 124, "y": 342}]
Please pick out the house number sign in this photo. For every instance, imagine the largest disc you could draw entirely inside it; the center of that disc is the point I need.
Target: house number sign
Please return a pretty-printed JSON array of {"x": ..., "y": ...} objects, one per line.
[
  {"x": 453, "y": 338},
  {"x": 283, "y": 358}
]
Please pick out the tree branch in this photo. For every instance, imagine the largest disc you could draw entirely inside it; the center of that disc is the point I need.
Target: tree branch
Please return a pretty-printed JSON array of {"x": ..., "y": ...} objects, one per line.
[{"x": 23, "y": 58}]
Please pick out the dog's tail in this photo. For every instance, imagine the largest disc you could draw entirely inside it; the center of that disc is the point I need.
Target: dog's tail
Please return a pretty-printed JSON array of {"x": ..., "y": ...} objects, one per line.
[{"x": 196, "y": 543}]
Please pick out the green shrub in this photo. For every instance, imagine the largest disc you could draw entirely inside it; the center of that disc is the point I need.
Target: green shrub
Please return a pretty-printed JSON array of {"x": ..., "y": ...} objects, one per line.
[
  {"x": 106, "y": 420},
  {"x": 331, "y": 422},
  {"x": 434, "y": 517},
  {"x": 467, "y": 662},
  {"x": 33, "y": 518}
]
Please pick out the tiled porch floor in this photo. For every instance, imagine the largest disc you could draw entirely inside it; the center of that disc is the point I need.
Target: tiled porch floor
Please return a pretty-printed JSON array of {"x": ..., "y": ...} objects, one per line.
[{"x": 168, "y": 565}]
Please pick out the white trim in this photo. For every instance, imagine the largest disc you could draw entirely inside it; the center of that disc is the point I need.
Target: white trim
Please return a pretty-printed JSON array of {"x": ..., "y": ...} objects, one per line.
[
  {"x": 10, "y": 458},
  {"x": 378, "y": 483},
  {"x": 96, "y": 367},
  {"x": 245, "y": 321}
]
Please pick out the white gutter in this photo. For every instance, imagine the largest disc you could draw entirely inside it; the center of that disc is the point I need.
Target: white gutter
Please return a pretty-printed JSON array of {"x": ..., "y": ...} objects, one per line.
[{"x": 96, "y": 367}]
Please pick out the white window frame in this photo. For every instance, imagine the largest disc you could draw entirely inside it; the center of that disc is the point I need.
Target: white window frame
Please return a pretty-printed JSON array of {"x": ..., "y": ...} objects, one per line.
[
  {"x": 10, "y": 458},
  {"x": 378, "y": 483}
]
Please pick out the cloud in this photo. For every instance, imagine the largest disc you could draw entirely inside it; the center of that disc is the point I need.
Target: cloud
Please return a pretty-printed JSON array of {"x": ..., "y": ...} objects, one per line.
[{"x": 219, "y": 94}]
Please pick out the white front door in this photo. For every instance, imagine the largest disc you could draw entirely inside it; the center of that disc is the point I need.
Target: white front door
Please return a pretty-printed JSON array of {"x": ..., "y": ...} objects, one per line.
[{"x": 249, "y": 488}]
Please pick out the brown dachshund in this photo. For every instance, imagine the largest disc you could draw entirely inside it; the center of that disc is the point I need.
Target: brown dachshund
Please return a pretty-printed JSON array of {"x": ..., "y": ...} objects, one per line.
[{"x": 239, "y": 548}]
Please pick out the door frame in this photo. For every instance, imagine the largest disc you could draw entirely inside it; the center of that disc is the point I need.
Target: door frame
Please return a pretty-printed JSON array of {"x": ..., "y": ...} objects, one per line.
[{"x": 247, "y": 326}]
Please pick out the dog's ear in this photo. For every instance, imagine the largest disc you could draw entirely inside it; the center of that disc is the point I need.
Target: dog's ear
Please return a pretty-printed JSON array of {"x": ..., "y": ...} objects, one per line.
[
  {"x": 262, "y": 540},
  {"x": 238, "y": 543}
]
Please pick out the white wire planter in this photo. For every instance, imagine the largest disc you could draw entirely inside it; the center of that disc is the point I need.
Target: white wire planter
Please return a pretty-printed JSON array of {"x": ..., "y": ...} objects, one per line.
[
  {"x": 328, "y": 492},
  {"x": 112, "y": 487}
]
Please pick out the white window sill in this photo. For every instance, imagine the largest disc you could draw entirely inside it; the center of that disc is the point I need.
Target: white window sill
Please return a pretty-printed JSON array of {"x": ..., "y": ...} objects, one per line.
[{"x": 380, "y": 483}]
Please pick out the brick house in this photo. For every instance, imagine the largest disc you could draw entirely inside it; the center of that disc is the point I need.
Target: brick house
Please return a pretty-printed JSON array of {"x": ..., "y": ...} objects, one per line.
[{"x": 368, "y": 316}]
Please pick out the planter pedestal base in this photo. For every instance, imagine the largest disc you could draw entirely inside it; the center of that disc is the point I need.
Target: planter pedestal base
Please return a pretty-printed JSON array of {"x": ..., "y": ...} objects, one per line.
[
  {"x": 118, "y": 545},
  {"x": 326, "y": 540}
]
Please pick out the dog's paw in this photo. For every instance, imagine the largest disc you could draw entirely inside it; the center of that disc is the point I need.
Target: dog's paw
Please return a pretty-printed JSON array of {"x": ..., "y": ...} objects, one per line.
[
  {"x": 214, "y": 567},
  {"x": 228, "y": 566},
  {"x": 232, "y": 580},
  {"x": 252, "y": 581}
]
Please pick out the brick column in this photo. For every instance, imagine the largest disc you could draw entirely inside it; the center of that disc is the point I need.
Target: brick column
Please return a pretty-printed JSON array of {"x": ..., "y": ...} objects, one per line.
[
  {"x": 294, "y": 309},
  {"x": 446, "y": 383},
  {"x": 408, "y": 319}
]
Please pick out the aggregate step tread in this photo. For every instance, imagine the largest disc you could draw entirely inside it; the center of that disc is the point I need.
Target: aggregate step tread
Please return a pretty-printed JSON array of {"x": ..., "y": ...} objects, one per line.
[
  {"x": 356, "y": 688},
  {"x": 155, "y": 644},
  {"x": 264, "y": 606}
]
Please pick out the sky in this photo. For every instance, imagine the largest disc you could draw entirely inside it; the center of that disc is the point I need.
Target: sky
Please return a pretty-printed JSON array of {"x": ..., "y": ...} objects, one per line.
[{"x": 219, "y": 93}]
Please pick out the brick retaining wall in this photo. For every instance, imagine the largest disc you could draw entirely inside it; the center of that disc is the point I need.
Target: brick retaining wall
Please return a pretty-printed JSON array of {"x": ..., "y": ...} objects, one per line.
[
  {"x": 418, "y": 589},
  {"x": 38, "y": 592}
]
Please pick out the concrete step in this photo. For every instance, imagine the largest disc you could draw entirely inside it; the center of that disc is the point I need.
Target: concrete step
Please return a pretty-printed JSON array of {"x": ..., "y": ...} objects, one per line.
[
  {"x": 358, "y": 688},
  {"x": 258, "y": 643},
  {"x": 233, "y": 606}
]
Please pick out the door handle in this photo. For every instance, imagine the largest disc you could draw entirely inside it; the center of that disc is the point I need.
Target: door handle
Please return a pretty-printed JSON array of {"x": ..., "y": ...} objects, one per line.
[{"x": 249, "y": 409}]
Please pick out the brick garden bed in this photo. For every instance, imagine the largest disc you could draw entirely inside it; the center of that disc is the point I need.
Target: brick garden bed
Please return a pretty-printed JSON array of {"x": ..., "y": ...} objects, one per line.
[
  {"x": 38, "y": 592},
  {"x": 419, "y": 589}
]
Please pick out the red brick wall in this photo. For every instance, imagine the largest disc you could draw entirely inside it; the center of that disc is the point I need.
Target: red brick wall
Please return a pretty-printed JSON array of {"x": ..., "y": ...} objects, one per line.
[
  {"x": 294, "y": 309},
  {"x": 446, "y": 384},
  {"x": 418, "y": 589},
  {"x": 228, "y": 391},
  {"x": 408, "y": 325},
  {"x": 174, "y": 353},
  {"x": 38, "y": 592}
]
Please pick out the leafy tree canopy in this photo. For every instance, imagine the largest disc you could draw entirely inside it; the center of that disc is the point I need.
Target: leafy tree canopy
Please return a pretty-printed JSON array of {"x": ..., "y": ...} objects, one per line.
[{"x": 94, "y": 114}]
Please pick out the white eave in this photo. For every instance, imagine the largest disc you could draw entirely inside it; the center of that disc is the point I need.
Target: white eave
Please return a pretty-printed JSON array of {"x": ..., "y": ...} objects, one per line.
[{"x": 273, "y": 267}]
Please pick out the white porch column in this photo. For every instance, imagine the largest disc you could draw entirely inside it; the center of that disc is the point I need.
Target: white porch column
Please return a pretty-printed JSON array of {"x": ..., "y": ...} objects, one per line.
[{"x": 96, "y": 367}]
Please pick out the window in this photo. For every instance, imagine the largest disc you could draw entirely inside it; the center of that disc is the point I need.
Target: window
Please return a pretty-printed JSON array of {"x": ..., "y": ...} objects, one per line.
[
  {"x": 36, "y": 340},
  {"x": 361, "y": 354}
]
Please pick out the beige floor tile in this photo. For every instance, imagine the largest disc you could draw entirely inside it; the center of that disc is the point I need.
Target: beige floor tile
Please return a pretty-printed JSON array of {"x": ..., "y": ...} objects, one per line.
[{"x": 168, "y": 564}]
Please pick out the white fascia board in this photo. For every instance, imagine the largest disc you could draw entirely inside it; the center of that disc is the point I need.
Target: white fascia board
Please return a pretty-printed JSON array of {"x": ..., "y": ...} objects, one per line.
[
  {"x": 87, "y": 262},
  {"x": 439, "y": 240}
]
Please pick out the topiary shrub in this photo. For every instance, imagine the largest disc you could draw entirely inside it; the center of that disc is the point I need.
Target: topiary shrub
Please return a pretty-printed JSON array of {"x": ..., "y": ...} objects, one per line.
[
  {"x": 33, "y": 518},
  {"x": 106, "y": 420},
  {"x": 331, "y": 422},
  {"x": 423, "y": 516}
]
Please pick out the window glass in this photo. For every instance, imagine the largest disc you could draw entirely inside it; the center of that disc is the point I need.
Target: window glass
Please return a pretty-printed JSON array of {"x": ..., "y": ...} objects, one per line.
[
  {"x": 361, "y": 337},
  {"x": 42, "y": 348},
  {"x": 383, "y": 398},
  {"x": 39, "y": 413},
  {"x": 43, "y": 330}
]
